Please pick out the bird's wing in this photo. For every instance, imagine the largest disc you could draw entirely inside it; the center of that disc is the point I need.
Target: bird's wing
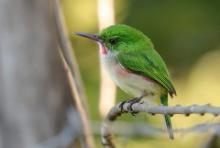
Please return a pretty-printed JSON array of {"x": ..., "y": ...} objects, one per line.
[{"x": 148, "y": 64}]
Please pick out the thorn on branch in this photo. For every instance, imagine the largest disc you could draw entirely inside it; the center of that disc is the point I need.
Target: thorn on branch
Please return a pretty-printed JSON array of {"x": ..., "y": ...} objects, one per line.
[
  {"x": 202, "y": 114},
  {"x": 171, "y": 115},
  {"x": 187, "y": 115},
  {"x": 152, "y": 114}
]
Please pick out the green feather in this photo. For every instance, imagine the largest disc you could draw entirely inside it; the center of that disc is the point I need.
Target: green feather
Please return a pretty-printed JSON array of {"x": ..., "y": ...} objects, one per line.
[{"x": 148, "y": 64}]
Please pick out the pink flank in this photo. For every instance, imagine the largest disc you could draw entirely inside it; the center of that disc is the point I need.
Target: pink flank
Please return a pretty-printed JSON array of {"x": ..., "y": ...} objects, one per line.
[
  {"x": 122, "y": 72},
  {"x": 148, "y": 79}
]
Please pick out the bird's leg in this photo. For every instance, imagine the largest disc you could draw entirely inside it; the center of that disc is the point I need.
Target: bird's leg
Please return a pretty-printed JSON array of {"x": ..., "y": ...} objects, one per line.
[
  {"x": 131, "y": 103},
  {"x": 121, "y": 105}
]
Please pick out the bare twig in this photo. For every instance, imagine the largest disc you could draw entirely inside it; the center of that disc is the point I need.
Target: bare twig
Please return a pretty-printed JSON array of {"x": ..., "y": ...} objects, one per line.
[
  {"x": 67, "y": 51},
  {"x": 71, "y": 68},
  {"x": 146, "y": 130},
  {"x": 152, "y": 109},
  {"x": 83, "y": 115}
]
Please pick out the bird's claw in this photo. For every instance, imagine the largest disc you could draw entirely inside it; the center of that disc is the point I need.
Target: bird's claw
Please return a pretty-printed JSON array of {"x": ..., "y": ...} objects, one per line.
[
  {"x": 131, "y": 103},
  {"x": 122, "y": 105}
]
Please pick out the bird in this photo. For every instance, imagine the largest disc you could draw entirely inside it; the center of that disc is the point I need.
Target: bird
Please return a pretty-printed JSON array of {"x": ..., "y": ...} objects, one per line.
[{"x": 134, "y": 65}]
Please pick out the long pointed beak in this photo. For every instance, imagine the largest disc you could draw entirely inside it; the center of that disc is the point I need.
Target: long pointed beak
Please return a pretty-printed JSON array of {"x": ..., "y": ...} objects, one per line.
[{"x": 89, "y": 36}]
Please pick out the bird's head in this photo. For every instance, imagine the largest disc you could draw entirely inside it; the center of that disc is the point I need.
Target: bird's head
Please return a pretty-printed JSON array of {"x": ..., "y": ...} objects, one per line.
[{"x": 119, "y": 37}]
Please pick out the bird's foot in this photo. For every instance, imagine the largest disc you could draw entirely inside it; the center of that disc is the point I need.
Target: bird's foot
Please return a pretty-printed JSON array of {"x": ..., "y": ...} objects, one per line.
[
  {"x": 122, "y": 105},
  {"x": 131, "y": 103}
]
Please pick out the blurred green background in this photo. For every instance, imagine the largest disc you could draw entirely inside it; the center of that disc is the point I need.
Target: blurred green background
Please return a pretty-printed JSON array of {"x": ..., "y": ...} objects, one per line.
[{"x": 187, "y": 35}]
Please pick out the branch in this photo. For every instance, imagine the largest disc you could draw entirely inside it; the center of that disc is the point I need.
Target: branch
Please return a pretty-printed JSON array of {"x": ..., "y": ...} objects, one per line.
[
  {"x": 67, "y": 50},
  {"x": 116, "y": 111},
  {"x": 144, "y": 129},
  {"x": 70, "y": 65}
]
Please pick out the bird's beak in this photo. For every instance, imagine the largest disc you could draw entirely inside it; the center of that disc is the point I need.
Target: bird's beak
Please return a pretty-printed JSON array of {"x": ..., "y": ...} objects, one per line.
[{"x": 90, "y": 36}]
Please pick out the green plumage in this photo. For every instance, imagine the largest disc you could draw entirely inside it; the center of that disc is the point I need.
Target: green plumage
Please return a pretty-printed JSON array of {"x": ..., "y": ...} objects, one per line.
[
  {"x": 143, "y": 64},
  {"x": 136, "y": 53}
]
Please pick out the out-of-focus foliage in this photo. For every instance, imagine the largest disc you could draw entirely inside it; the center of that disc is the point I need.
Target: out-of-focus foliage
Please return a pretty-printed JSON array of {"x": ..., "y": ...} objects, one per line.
[
  {"x": 185, "y": 33},
  {"x": 181, "y": 30}
]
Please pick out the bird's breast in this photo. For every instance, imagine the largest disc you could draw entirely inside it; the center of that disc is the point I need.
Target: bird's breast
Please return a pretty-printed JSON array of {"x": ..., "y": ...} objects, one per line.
[{"x": 129, "y": 82}]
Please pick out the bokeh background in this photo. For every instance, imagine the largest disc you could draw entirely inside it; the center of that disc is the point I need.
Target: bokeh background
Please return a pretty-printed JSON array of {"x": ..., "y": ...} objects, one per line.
[
  {"x": 39, "y": 109},
  {"x": 185, "y": 33}
]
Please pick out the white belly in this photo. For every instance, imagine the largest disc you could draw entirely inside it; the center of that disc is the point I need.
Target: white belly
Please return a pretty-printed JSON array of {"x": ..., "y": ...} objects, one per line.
[{"x": 133, "y": 84}]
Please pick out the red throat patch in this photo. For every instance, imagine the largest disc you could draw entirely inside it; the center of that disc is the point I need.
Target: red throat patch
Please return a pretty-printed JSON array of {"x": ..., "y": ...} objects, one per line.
[{"x": 103, "y": 49}]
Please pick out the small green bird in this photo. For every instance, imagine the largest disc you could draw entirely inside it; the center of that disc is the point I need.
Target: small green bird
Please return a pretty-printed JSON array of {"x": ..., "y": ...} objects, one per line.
[{"x": 134, "y": 65}]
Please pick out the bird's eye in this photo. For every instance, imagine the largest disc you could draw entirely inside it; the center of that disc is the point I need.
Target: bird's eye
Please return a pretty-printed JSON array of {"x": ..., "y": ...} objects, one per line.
[{"x": 113, "y": 41}]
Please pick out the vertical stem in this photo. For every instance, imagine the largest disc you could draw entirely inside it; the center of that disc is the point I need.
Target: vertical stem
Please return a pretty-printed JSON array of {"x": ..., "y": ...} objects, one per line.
[
  {"x": 71, "y": 67},
  {"x": 84, "y": 117},
  {"x": 107, "y": 87}
]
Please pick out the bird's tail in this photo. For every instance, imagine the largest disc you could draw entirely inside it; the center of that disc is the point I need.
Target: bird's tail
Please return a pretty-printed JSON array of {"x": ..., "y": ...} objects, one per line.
[
  {"x": 169, "y": 126},
  {"x": 164, "y": 101}
]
